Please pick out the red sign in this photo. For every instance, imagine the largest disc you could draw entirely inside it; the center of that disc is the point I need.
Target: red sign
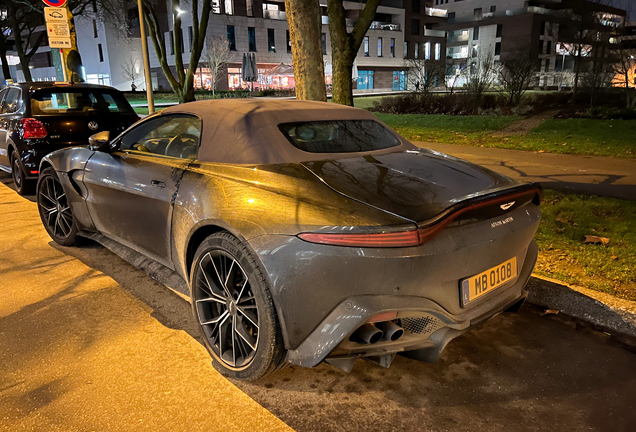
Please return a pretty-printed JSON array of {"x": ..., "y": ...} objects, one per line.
[{"x": 54, "y": 3}]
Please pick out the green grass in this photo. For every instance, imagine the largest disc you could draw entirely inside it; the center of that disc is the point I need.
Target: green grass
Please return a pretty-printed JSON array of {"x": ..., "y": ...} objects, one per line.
[
  {"x": 446, "y": 129},
  {"x": 563, "y": 254},
  {"x": 615, "y": 138}
]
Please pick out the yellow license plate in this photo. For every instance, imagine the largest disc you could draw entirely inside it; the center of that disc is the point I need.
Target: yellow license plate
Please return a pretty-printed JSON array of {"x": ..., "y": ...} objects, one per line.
[{"x": 485, "y": 282}]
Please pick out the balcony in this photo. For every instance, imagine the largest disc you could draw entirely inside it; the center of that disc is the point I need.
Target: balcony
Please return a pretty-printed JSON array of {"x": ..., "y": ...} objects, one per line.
[
  {"x": 275, "y": 15},
  {"x": 434, "y": 33},
  {"x": 377, "y": 25}
]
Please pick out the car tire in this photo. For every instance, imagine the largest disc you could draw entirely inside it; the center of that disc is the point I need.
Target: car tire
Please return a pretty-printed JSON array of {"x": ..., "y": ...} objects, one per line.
[
  {"x": 55, "y": 212},
  {"x": 22, "y": 185},
  {"x": 233, "y": 307}
]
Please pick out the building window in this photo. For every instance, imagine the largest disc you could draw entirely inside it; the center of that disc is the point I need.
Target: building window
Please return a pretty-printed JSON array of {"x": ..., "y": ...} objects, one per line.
[
  {"x": 250, "y": 8},
  {"x": 415, "y": 26},
  {"x": 251, "y": 39},
  {"x": 477, "y": 12},
  {"x": 323, "y": 43},
  {"x": 366, "y": 46},
  {"x": 416, "y": 6},
  {"x": 438, "y": 51},
  {"x": 498, "y": 48},
  {"x": 549, "y": 47},
  {"x": 399, "y": 80},
  {"x": 365, "y": 79},
  {"x": 190, "y": 36},
  {"x": 476, "y": 33},
  {"x": 379, "y": 47},
  {"x": 542, "y": 31},
  {"x": 288, "y": 42},
  {"x": 451, "y": 15},
  {"x": 493, "y": 8},
  {"x": 499, "y": 30},
  {"x": 406, "y": 50},
  {"x": 392, "y": 47},
  {"x": 541, "y": 46},
  {"x": 49, "y": 59},
  {"x": 216, "y": 6},
  {"x": 171, "y": 39},
  {"x": 94, "y": 29},
  {"x": 271, "y": 40},
  {"x": 427, "y": 51},
  {"x": 229, "y": 7},
  {"x": 231, "y": 38},
  {"x": 417, "y": 50},
  {"x": 181, "y": 43},
  {"x": 100, "y": 52},
  {"x": 547, "y": 65}
]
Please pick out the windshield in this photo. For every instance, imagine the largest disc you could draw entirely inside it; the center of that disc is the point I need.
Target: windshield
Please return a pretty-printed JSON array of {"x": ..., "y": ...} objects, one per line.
[
  {"x": 78, "y": 101},
  {"x": 339, "y": 136}
]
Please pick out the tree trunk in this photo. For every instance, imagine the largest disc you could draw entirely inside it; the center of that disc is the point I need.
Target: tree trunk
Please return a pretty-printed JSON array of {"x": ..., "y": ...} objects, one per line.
[
  {"x": 345, "y": 46},
  {"x": 6, "y": 72},
  {"x": 303, "y": 17}
]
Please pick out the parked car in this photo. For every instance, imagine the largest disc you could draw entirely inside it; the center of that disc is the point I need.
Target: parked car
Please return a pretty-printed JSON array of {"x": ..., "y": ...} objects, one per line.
[
  {"x": 306, "y": 231},
  {"x": 38, "y": 118}
]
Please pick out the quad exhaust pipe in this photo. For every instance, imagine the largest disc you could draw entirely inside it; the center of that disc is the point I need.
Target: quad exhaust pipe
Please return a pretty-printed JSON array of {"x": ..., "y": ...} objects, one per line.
[
  {"x": 391, "y": 331},
  {"x": 370, "y": 334}
]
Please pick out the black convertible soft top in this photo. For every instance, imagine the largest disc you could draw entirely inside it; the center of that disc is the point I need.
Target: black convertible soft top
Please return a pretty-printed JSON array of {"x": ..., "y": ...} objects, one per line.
[{"x": 245, "y": 131}]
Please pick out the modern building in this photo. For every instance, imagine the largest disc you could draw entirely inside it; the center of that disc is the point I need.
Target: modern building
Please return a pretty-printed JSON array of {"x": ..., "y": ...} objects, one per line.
[
  {"x": 549, "y": 30},
  {"x": 260, "y": 27}
]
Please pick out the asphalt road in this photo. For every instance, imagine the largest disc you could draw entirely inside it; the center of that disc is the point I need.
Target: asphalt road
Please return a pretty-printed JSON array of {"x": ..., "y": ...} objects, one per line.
[
  {"x": 590, "y": 175},
  {"x": 89, "y": 343}
]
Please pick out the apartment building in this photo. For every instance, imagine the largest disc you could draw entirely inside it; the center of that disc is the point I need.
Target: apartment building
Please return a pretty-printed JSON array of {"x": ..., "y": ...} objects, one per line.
[
  {"x": 260, "y": 27},
  {"x": 545, "y": 29}
]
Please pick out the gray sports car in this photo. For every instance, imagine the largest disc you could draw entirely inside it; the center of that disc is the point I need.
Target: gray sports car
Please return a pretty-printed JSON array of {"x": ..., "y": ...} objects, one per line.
[{"x": 301, "y": 232}]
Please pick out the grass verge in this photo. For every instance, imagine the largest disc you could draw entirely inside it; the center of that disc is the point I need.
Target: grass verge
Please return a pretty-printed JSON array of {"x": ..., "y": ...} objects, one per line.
[
  {"x": 564, "y": 255},
  {"x": 615, "y": 138}
]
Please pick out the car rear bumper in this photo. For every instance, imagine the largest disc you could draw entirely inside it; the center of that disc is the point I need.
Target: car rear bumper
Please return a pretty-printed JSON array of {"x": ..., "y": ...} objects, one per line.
[{"x": 430, "y": 327}]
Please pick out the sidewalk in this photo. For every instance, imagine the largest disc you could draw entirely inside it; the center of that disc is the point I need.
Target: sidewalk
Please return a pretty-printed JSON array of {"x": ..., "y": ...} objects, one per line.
[
  {"x": 80, "y": 352},
  {"x": 590, "y": 175}
]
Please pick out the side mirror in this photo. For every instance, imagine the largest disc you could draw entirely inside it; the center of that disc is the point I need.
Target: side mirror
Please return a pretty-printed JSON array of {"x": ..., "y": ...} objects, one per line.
[{"x": 100, "y": 142}]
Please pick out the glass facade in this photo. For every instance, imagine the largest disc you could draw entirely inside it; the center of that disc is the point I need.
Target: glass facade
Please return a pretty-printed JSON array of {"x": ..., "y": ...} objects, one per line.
[{"x": 365, "y": 79}]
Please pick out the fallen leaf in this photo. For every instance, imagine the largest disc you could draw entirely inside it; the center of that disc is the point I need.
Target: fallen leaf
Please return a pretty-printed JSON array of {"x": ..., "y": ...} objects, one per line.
[
  {"x": 592, "y": 239},
  {"x": 562, "y": 220},
  {"x": 550, "y": 311},
  {"x": 614, "y": 257},
  {"x": 541, "y": 151}
]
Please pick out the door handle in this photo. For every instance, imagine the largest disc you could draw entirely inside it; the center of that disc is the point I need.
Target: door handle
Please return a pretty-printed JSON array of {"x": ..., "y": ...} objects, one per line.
[{"x": 158, "y": 183}]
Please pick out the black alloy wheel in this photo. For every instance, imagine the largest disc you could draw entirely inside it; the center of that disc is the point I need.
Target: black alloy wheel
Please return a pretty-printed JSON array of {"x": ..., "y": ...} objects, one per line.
[
  {"x": 22, "y": 185},
  {"x": 234, "y": 309},
  {"x": 55, "y": 212}
]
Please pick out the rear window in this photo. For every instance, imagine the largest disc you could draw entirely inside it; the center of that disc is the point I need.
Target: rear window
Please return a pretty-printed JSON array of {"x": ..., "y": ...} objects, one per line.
[
  {"x": 78, "y": 101},
  {"x": 339, "y": 136}
]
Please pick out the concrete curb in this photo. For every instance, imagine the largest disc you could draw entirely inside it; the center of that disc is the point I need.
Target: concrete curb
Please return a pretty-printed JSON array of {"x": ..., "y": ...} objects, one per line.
[{"x": 610, "y": 313}]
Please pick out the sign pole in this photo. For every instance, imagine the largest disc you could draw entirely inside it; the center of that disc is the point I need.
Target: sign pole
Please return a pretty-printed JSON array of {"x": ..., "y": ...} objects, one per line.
[
  {"x": 61, "y": 35},
  {"x": 144, "y": 49}
]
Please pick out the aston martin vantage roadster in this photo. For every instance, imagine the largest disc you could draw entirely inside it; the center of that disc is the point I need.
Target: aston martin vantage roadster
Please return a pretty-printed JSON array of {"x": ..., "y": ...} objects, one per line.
[{"x": 300, "y": 232}]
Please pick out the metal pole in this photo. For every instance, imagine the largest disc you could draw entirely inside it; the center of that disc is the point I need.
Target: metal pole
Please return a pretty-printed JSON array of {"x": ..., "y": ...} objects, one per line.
[{"x": 144, "y": 49}]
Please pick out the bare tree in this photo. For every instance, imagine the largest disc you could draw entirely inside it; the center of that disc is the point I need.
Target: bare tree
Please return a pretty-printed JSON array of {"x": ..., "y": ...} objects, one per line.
[
  {"x": 345, "y": 45},
  {"x": 216, "y": 55},
  {"x": 481, "y": 73},
  {"x": 423, "y": 74},
  {"x": 303, "y": 18},
  {"x": 516, "y": 76},
  {"x": 130, "y": 71},
  {"x": 181, "y": 82}
]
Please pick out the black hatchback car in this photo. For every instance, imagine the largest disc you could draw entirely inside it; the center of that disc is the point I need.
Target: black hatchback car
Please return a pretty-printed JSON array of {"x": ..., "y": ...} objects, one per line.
[{"x": 38, "y": 118}]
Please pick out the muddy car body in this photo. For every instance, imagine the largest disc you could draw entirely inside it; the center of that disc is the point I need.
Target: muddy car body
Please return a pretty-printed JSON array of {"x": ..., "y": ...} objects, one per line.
[{"x": 305, "y": 231}]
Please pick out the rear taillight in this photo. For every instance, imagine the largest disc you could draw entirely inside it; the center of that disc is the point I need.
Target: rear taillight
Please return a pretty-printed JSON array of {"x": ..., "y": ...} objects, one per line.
[
  {"x": 410, "y": 237},
  {"x": 375, "y": 240},
  {"x": 32, "y": 129}
]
